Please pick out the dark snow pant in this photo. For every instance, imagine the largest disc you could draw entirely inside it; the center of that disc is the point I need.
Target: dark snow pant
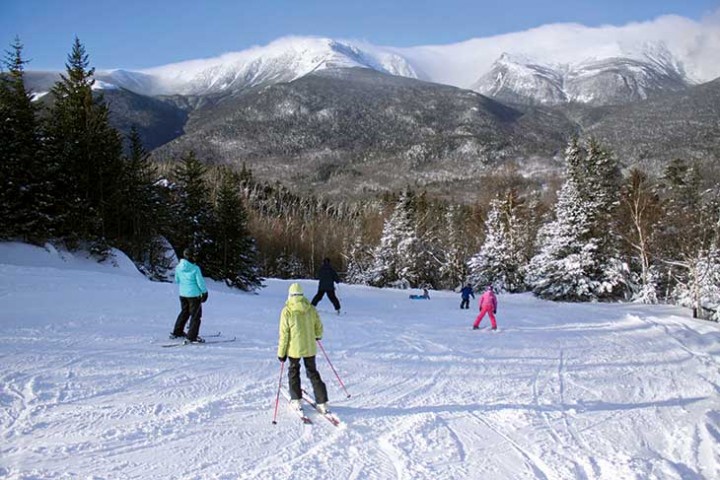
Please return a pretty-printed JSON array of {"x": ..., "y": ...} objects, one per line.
[
  {"x": 465, "y": 303},
  {"x": 190, "y": 307},
  {"x": 311, "y": 370},
  {"x": 331, "y": 295}
]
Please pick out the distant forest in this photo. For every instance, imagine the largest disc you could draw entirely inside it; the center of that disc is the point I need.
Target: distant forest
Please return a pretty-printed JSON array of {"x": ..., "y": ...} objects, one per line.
[{"x": 597, "y": 233}]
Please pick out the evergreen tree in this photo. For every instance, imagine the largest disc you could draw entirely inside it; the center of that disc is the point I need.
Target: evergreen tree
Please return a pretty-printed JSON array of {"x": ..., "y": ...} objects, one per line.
[
  {"x": 25, "y": 201},
  {"x": 578, "y": 258},
  {"x": 359, "y": 262},
  {"x": 397, "y": 243},
  {"x": 234, "y": 258},
  {"x": 690, "y": 234},
  {"x": 454, "y": 270},
  {"x": 86, "y": 153},
  {"x": 140, "y": 216},
  {"x": 501, "y": 260},
  {"x": 191, "y": 211},
  {"x": 423, "y": 253}
]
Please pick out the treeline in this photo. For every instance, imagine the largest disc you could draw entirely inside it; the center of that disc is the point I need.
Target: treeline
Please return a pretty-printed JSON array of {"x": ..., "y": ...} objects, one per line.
[
  {"x": 68, "y": 176},
  {"x": 597, "y": 235}
]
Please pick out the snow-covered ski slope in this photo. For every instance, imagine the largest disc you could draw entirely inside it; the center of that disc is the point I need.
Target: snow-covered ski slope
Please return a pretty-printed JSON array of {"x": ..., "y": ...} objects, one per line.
[{"x": 563, "y": 391}]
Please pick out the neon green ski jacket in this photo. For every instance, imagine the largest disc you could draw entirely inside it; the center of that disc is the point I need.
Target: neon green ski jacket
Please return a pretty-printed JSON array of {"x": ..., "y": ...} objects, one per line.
[{"x": 300, "y": 327}]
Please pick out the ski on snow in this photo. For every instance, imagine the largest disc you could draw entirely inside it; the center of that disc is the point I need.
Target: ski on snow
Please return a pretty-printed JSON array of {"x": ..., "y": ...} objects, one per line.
[
  {"x": 303, "y": 418},
  {"x": 185, "y": 342},
  {"x": 329, "y": 416}
]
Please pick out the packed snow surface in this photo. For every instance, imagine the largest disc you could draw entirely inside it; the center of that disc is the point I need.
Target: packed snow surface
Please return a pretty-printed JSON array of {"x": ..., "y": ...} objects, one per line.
[{"x": 562, "y": 391}]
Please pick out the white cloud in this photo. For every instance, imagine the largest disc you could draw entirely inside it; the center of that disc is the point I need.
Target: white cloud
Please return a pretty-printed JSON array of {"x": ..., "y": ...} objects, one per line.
[{"x": 695, "y": 44}]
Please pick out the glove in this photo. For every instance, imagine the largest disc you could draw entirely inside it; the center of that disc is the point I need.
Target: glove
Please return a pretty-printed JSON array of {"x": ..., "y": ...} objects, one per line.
[
  {"x": 282, "y": 359},
  {"x": 204, "y": 297},
  {"x": 495, "y": 312},
  {"x": 317, "y": 339}
]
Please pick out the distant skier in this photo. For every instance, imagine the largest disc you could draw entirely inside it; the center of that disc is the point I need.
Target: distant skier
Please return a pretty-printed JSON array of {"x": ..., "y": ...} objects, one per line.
[
  {"x": 466, "y": 293},
  {"x": 193, "y": 293},
  {"x": 327, "y": 277},
  {"x": 488, "y": 304},
  {"x": 425, "y": 295},
  {"x": 300, "y": 329}
]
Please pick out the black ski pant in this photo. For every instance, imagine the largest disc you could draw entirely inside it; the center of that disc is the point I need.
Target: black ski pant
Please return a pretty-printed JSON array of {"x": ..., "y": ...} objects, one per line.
[
  {"x": 331, "y": 295},
  {"x": 318, "y": 385},
  {"x": 465, "y": 303},
  {"x": 190, "y": 307}
]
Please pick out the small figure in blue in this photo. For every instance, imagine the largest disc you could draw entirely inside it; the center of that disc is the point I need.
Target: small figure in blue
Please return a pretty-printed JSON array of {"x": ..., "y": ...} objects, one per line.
[
  {"x": 425, "y": 295},
  {"x": 466, "y": 293}
]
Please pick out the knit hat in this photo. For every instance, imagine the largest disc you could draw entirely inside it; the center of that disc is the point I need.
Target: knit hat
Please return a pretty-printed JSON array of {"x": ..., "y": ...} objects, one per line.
[{"x": 295, "y": 290}]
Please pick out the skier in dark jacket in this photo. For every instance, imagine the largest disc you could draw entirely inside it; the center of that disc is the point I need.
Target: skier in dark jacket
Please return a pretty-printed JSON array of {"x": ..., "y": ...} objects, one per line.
[
  {"x": 466, "y": 293},
  {"x": 328, "y": 278}
]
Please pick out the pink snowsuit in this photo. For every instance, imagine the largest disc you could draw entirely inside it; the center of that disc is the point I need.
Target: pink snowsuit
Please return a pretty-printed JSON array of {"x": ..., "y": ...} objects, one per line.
[{"x": 488, "y": 304}]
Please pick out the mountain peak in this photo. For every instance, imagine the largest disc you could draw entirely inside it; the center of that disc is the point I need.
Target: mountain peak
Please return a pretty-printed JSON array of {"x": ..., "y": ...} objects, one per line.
[
  {"x": 636, "y": 75},
  {"x": 283, "y": 60}
]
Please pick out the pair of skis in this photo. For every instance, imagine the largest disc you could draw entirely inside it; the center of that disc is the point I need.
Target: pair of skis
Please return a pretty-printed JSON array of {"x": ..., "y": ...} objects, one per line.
[
  {"x": 329, "y": 416},
  {"x": 214, "y": 336}
]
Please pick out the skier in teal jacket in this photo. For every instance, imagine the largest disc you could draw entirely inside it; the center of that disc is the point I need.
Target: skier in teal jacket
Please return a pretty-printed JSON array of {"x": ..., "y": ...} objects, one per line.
[{"x": 193, "y": 293}]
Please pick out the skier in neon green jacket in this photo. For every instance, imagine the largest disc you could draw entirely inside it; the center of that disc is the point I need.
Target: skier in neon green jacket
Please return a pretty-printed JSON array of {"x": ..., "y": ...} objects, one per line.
[{"x": 300, "y": 328}]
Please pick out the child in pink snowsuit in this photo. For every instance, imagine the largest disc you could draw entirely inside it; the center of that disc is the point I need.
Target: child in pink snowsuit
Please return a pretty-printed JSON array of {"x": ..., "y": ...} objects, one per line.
[{"x": 488, "y": 304}]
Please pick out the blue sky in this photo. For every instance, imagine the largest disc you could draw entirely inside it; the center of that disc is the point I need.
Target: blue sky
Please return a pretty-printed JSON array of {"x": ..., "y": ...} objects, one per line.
[{"x": 137, "y": 34}]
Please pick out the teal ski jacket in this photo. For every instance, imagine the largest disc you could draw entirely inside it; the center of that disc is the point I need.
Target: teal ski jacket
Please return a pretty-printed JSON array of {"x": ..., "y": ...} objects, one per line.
[{"x": 190, "y": 279}]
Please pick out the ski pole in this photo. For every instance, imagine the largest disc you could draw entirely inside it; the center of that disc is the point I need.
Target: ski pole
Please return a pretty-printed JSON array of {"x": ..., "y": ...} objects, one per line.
[
  {"x": 333, "y": 368},
  {"x": 277, "y": 397}
]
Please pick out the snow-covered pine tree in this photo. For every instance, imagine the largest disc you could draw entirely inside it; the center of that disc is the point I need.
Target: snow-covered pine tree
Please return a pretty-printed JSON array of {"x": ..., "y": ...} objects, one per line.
[
  {"x": 387, "y": 266},
  {"x": 455, "y": 244},
  {"x": 425, "y": 256},
  {"x": 700, "y": 289},
  {"x": 578, "y": 259},
  {"x": 690, "y": 235},
  {"x": 359, "y": 262},
  {"x": 501, "y": 260}
]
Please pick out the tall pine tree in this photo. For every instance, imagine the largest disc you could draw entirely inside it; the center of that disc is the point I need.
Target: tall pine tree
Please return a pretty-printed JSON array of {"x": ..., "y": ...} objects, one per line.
[
  {"x": 141, "y": 215},
  {"x": 578, "y": 258},
  {"x": 234, "y": 257},
  {"x": 86, "y": 152},
  {"x": 25, "y": 200},
  {"x": 191, "y": 210},
  {"x": 393, "y": 262},
  {"x": 502, "y": 259}
]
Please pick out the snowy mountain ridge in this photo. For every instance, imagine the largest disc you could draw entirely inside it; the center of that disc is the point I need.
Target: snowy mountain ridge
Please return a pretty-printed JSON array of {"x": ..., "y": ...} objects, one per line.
[
  {"x": 610, "y": 73},
  {"x": 284, "y": 60},
  {"x": 565, "y": 61},
  {"x": 612, "y": 80}
]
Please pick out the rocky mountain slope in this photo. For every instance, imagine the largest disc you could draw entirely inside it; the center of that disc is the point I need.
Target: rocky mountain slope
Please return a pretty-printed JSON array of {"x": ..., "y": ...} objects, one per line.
[
  {"x": 352, "y": 119},
  {"x": 355, "y": 131}
]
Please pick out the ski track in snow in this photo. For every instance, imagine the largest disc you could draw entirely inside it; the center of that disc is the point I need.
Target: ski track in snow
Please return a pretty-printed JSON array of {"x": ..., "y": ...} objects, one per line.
[{"x": 563, "y": 391}]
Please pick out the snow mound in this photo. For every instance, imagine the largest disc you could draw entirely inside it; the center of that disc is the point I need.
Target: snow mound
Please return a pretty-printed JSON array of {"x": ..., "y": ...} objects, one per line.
[{"x": 24, "y": 255}]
